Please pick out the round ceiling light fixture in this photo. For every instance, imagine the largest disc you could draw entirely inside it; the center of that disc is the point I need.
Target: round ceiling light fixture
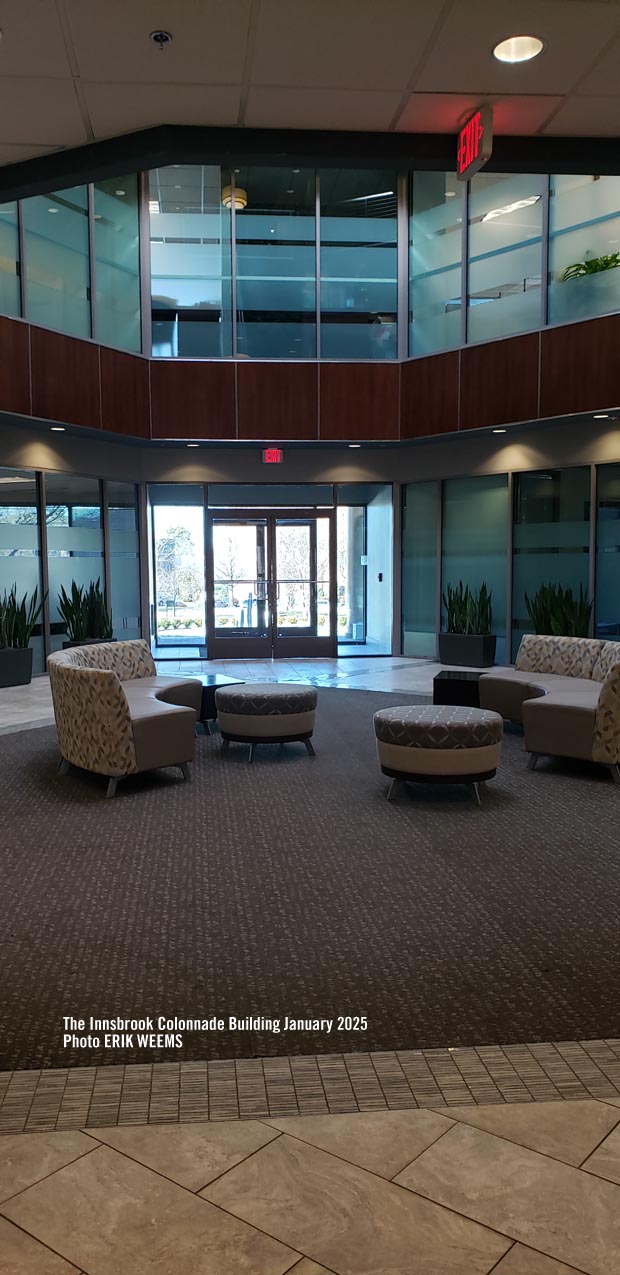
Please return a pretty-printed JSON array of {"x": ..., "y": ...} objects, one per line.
[
  {"x": 240, "y": 198},
  {"x": 161, "y": 38},
  {"x": 518, "y": 48}
]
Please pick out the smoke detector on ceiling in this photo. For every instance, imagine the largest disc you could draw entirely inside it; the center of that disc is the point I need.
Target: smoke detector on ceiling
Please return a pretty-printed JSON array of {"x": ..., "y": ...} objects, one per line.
[{"x": 161, "y": 38}]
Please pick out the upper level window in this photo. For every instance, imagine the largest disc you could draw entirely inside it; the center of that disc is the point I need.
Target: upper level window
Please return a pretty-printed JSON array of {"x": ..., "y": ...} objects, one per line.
[
  {"x": 117, "y": 262},
  {"x": 584, "y": 247},
  {"x": 57, "y": 260},
  {"x": 435, "y": 251},
  {"x": 358, "y": 264},
  {"x": 505, "y": 254},
  {"x": 10, "y": 302}
]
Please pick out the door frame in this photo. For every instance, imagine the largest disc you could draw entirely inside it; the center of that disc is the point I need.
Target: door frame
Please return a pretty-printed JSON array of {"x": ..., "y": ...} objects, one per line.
[{"x": 271, "y": 646}]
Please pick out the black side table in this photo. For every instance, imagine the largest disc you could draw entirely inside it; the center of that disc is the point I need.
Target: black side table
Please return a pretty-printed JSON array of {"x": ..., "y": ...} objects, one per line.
[
  {"x": 210, "y": 683},
  {"x": 457, "y": 686}
]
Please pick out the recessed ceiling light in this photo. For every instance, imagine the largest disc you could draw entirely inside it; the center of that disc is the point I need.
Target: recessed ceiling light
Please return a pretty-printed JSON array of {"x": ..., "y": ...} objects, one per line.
[
  {"x": 119, "y": 192},
  {"x": 296, "y": 170},
  {"x": 601, "y": 416},
  {"x": 355, "y": 444},
  {"x": 57, "y": 429},
  {"x": 291, "y": 191},
  {"x": 450, "y": 194},
  {"x": 193, "y": 444},
  {"x": 499, "y": 431},
  {"x": 161, "y": 38},
  {"x": 518, "y": 48},
  {"x": 52, "y": 210}
]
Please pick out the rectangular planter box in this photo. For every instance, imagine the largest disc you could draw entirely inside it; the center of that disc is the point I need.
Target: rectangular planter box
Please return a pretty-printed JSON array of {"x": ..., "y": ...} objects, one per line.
[
  {"x": 15, "y": 666},
  {"x": 68, "y": 646},
  {"x": 470, "y": 649}
]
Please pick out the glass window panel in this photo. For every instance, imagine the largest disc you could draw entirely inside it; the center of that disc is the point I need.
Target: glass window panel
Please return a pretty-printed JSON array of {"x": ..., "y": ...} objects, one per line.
[
  {"x": 475, "y": 542},
  {"x": 435, "y": 251},
  {"x": 10, "y": 301},
  {"x": 607, "y": 609},
  {"x": 351, "y": 572},
  {"x": 551, "y": 537},
  {"x": 276, "y": 263},
  {"x": 20, "y": 546},
  {"x": 358, "y": 234},
  {"x": 584, "y": 225},
  {"x": 56, "y": 260},
  {"x": 505, "y": 254},
  {"x": 178, "y": 566},
  {"x": 239, "y": 560},
  {"x": 117, "y": 262},
  {"x": 124, "y": 559},
  {"x": 190, "y": 261},
  {"x": 419, "y": 579},
  {"x": 74, "y": 540}
]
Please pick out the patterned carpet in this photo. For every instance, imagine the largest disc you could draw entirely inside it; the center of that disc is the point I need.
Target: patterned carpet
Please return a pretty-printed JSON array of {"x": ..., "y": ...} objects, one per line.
[{"x": 291, "y": 887}]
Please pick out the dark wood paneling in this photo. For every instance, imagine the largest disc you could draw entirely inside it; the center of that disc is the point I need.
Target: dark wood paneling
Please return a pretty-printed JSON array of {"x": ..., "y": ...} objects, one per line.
[
  {"x": 580, "y": 367},
  {"x": 14, "y": 367},
  {"x": 125, "y": 393},
  {"x": 359, "y": 401},
  {"x": 65, "y": 379},
  {"x": 429, "y": 395},
  {"x": 277, "y": 400},
  {"x": 499, "y": 382},
  {"x": 192, "y": 399}
]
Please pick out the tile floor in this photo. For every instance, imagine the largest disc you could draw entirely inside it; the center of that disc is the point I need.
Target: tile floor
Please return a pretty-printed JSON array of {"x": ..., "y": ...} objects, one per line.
[{"x": 449, "y": 1191}]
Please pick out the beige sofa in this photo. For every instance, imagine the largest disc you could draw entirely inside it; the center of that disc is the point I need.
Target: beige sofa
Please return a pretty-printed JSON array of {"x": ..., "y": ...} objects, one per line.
[
  {"x": 566, "y": 691},
  {"x": 115, "y": 716}
]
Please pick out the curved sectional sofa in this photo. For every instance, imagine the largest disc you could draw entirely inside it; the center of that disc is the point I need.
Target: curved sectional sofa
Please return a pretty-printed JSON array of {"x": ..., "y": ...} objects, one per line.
[
  {"x": 566, "y": 692},
  {"x": 116, "y": 716}
]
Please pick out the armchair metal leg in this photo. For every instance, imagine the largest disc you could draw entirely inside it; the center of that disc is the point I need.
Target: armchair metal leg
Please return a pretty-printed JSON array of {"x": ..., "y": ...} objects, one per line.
[
  {"x": 251, "y": 753},
  {"x": 112, "y": 784},
  {"x": 309, "y": 749},
  {"x": 63, "y": 766},
  {"x": 185, "y": 771},
  {"x": 225, "y": 745},
  {"x": 393, "y": 789},
  {"x": 531, "y": 761},
  {"x": 615, "y": 773},
  {"x": 476, "y": 788}
]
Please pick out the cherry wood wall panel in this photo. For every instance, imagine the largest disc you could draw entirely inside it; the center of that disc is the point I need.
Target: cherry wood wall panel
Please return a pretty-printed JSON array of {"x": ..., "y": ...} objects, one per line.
[
  {"x": 65, "y": 378},
  {"x": 429, "y": 395},
  {"x": 125, "y": 407},
  {"x": 277, "y": 401},
  {"x": 14, "y": 367},
  {"x": 192, "y": 399},
  {"x": 359, "y": 401},
  {"x": 499, "y": 382},
  {"x": 580, "y": 367}
]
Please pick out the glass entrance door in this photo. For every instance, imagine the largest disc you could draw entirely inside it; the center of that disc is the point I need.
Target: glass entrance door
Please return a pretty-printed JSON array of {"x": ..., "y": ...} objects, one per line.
[{"x": 271, "y": 585}]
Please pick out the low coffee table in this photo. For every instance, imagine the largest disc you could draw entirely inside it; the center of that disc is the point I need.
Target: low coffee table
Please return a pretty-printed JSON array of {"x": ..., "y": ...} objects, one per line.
[
  {"x": 457, "y": 686},
  {"x": 210, "y": 683}
]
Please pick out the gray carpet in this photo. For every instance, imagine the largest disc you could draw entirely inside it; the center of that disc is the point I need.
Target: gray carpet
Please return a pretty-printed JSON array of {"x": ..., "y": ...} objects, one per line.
[{"x": 292, "y": 887}]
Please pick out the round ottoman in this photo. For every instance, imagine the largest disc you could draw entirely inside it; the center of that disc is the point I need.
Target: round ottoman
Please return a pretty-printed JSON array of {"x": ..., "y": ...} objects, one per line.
[
  {"x": 432, "y": 744},
  {"x": 266, "y": 713}
]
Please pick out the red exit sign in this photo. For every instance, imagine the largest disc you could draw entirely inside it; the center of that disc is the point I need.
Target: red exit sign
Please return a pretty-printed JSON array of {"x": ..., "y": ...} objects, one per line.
[
  {"x": 273, "y": 456},
  {"x": 475, "y": 143}
]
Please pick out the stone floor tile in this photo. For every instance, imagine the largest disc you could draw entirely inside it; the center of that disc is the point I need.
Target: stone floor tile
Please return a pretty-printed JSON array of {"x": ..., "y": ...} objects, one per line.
[
  {"x": 614, "y": 1102},
  {"x": 21, "y": 1255},
  {"x": 382, "y": 1141},
  {"x": 563, "y": 1212},
  {"x": 605, "y": 1161},
  {"x": 524, "y": 1261},
  {"x": 348, "y": 1219},
  {"x": 190, "y": 1154},
  {"x": 111, "y": 1216},
  {"x": 568, "y": 1134},
  {"x": 306, "y": 1267},
  {"x": 24, "y": 1158}
]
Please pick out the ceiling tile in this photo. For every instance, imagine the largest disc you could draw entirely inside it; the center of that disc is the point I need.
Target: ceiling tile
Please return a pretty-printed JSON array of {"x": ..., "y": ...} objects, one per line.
[
  {"x": 605, "y": 75},
  {"x": 112, "y": 40},
  {"x": 15, "y": 154},
  {"x": 32, "y": 40},
  {"x": 40, "y": 112},
  {"x": 354, "y": 44},
  {"x": 133, "y": 106},
  {"x": 319, "y": 108},
  {"x": 586, "y": 117},
  {"x": 445, "y": 112},
  {"x": 462, "y": 58}
]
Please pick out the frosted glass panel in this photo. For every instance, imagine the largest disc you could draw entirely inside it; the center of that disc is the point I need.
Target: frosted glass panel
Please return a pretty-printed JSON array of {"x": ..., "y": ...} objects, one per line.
[
  {"x": 358, "y": 264},
  {"x": 20, "y": 551},
  {"x": 117, "y": 262},
  {"x": 74, "y": 539},
  {"x": 475, "y": 542},
  {"x": 435, "y": 248},
  {"x": 551, "y": 537},
  {"x": 505, "y": 254},
  {"x": 10, "y": 302},
  {"x": 584, "y": 223},
  {"x": 124, "y": 559},
  {"x": 419, "y": 578},
  {"x": 56, "y": 260},
  {"x": 607, "y": 610}
]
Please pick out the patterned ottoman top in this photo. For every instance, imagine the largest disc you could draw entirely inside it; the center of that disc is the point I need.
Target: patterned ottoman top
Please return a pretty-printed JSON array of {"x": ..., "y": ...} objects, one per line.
[
  {"x": 413, "y": 726},
  {"x": 262, "y": 699}
]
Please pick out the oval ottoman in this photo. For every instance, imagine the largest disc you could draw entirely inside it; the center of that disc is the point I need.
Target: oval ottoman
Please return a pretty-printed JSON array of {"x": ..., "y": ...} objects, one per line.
[
  {"x": 266, "y": 713},
  {"x": 445, "y": 745}
]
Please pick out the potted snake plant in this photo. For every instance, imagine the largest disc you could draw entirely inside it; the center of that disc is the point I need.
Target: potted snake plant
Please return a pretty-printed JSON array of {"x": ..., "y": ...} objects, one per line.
[
  {"x": 468, "y": 639},
  {"x": 85, "y": 614},
  {"x": 18, "y": 619}
]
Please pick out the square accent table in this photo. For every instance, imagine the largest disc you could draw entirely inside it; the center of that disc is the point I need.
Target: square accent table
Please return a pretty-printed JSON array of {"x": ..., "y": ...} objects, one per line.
[
  {"x": 457, "y": 686},
  {"x": 210, "y": 683}
]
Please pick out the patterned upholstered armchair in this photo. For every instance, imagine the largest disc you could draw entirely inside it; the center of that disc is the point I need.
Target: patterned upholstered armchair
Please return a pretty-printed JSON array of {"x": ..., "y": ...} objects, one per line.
[{"x": 115, "y": 716}]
